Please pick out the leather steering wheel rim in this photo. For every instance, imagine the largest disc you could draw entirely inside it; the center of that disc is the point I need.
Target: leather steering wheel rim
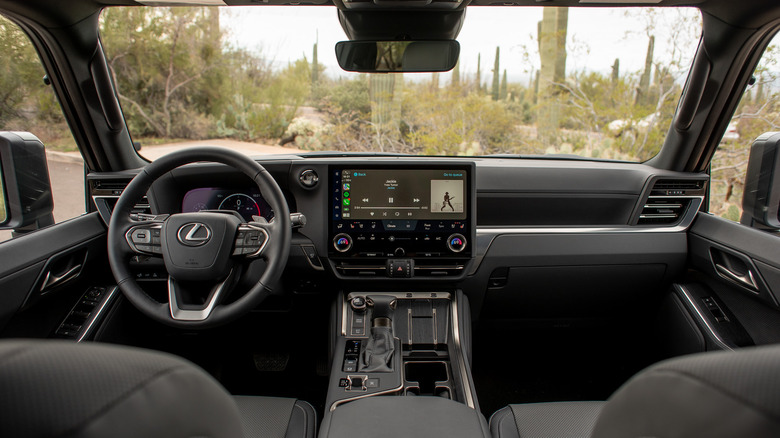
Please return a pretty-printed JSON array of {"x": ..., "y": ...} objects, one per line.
[{"x": 275, "y": 254}]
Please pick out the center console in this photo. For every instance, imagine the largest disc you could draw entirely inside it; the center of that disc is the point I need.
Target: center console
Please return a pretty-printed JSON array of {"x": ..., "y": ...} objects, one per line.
[{"x": 402, "y": 221}]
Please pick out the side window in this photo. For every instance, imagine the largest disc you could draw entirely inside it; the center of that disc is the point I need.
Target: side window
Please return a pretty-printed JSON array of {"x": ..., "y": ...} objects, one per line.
[
  {"x": 758, "y": 112},
  {"x": 28, "y": 104}
]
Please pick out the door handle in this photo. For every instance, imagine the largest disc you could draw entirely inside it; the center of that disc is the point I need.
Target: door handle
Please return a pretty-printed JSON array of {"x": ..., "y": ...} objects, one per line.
[
  {"x": 746, "y": 280},
  {"x": 52, "y": 281}
]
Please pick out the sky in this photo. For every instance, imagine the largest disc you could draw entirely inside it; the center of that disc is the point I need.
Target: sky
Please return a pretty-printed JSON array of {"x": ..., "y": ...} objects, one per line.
[{"x": 596, "y": 36}]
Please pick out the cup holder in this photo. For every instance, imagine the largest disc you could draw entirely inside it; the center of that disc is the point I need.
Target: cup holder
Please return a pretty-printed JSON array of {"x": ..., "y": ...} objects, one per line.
[{"x": 427, "y": 378}]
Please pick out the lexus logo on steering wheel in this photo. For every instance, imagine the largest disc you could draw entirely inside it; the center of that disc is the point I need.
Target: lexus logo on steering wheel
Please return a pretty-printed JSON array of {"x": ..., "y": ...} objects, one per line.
[{"x": 194, "y": 234}]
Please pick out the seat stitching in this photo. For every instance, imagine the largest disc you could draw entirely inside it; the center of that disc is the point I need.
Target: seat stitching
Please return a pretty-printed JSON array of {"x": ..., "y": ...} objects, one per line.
[
  {"x": 718, "y": 388},
  {"x": 120, "y": 398}
]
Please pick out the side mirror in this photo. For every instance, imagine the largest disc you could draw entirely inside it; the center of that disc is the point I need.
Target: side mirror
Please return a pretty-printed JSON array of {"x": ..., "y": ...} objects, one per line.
[
  {"x": 761, "y": 197},
  {"x": 26, "y": 191}
]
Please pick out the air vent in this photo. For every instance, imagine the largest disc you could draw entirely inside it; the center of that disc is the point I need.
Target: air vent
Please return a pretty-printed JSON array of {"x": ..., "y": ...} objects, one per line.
[
  {"x": 678, "y": 187},
  {"x": 663, "y": 210}
]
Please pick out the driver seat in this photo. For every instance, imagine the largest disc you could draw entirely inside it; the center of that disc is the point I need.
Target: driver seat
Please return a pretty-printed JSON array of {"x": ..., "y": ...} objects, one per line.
[{"x": 64, "y": 389}]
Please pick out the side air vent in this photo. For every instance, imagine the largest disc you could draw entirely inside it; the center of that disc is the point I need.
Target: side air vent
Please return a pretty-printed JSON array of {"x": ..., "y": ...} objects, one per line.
[
  {"x": 663, "y": 210},
  {"x": 670, "y": 199}
]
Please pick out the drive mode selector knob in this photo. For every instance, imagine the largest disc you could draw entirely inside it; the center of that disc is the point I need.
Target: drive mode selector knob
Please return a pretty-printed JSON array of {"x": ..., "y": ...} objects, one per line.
[
  {"x": 342, "y": 242},
  {"x": 456, "y": 243}
]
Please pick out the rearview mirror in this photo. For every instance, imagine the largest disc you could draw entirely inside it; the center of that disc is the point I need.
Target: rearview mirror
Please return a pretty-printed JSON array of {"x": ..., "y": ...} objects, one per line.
[
  {"x": 761, "y": 197},
  {"x": 397, "y": 56},
  {"x": 26, "y": 190}
]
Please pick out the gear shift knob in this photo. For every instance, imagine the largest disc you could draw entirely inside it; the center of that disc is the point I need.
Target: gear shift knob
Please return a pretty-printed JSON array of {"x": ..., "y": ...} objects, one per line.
[{"x": 382, "y": 306}]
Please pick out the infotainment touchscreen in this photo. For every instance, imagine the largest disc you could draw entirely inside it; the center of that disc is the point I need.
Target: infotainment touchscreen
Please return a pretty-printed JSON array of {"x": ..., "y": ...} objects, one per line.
[{"x": 401, "y": 194}]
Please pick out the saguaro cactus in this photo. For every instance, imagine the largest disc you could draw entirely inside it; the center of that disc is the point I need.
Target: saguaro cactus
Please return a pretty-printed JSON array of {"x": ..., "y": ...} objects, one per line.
[
  {"x": 552, "y": 51},
  {"x": 495, "y": 87}
]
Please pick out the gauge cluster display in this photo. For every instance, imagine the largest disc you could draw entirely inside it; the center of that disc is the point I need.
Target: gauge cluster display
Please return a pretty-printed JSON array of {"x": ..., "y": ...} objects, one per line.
[{"x": 247, "y": 203}]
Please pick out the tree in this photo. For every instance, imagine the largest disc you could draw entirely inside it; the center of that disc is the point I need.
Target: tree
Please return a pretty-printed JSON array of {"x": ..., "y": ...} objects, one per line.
[
  {"x": 315, "y": 70},
  {"x": 552, "y": 51},
  {"x": 495, "y": 88},
  {"x": 502, "y": 95},
  {"x": 479, "y": 69}
]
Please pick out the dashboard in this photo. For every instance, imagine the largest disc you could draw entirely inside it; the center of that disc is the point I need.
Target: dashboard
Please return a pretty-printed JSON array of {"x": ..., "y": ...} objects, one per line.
[{"x": 534, "y": 237}]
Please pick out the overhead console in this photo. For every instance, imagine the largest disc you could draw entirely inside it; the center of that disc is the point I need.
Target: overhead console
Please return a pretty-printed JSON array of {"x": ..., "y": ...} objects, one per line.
[{"x": 401, "y": 221}]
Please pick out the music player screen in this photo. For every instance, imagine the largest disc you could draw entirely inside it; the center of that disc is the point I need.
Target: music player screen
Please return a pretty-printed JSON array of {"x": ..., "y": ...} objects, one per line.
[{"x": 400, "y": 194}]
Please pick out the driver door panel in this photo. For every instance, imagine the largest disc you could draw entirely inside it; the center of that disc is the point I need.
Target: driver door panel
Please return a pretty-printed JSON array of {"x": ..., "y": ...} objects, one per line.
[{"x": 43, "y": 274}]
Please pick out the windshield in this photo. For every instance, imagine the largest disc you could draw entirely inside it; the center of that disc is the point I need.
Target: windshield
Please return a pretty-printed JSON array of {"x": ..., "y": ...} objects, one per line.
[{"x": 592, "y": 82}]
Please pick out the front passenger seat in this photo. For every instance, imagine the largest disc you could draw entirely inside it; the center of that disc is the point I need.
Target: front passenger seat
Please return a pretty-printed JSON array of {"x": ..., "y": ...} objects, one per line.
[
  {"x": 64, "y": 389},
  {"x": 713, "y": 395}
]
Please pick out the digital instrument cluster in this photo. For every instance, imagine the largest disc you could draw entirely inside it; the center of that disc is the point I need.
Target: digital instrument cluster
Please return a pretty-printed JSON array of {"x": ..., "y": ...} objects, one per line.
[{"x": 247, "y": 203}]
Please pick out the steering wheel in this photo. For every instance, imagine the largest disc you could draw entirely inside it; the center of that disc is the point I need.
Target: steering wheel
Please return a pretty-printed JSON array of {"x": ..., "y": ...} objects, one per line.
[{"x": 203, "y": 252}]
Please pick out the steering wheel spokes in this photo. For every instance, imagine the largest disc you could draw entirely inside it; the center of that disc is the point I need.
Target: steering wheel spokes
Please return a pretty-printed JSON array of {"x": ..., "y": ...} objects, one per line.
[
  {"x": 251, "y": 239},
  {"x": 181, "y": 311}
]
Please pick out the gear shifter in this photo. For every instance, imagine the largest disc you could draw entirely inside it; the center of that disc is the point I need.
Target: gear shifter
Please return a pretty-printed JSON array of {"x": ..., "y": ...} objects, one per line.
[{"x": 378, "y": 354}]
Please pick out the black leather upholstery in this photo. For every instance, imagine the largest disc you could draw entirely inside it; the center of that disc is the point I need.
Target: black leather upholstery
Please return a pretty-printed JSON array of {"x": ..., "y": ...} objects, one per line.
[
  {"x": 537, "y": 420},
  {"x": 64, "y": 389},
  {"x": 271, "y": 417},
  {"x": 407, "y": 417},
  {"x": 714, "y": 395}
]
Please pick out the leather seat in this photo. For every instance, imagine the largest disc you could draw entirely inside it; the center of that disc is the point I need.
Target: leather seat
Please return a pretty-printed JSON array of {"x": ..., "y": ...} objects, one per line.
[
  {"x": 714, "y": 395},
  {"x": 64, "y": 389}
]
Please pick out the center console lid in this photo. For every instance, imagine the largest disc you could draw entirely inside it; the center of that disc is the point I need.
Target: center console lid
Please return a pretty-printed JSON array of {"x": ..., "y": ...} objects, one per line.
[{"x": 380, "y": 417}]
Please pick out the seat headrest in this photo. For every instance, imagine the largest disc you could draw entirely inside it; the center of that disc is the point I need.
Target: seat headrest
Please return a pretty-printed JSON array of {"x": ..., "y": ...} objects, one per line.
[{"x": 60, "y": 388}]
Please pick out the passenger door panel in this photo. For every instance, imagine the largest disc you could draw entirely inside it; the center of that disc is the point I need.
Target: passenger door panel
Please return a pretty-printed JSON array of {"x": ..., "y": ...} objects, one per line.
[{"x": 740, "y": 267}]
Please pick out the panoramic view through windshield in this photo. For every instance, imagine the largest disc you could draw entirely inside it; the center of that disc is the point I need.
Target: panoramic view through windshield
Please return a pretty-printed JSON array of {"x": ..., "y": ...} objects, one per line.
[{"x": 600, "y": 84}]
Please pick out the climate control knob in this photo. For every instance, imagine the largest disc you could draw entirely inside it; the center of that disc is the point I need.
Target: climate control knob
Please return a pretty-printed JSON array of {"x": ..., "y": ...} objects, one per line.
[
  {"x": 342, "y": 242},
  {"x": 456, "y": 242}
]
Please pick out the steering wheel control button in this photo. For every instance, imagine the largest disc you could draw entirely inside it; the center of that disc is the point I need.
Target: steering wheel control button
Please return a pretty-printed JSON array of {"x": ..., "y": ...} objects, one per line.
[
  {"x": 141, "y": 236},
  {"x": 456, "y": 243},
  {"x": 342, "y": 242},
  {"x": 249, "y": 242},
  {"x": 194, "y": 234}
]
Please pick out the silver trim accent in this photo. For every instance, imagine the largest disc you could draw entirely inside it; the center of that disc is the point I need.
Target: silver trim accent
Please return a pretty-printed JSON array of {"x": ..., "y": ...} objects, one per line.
[
  {"x": 464, "y": 376},
  {"x": 580, "y": 230},
  {"x": 387, "y": 391},
  {"x": 747, "y": 281},
  {"x": 191, "y": 228},
  {"x": 249, "y": 227},
  {"x": 680, "y": 288},
  {"x": 193, "y": 315},
  {"x": 96, "y": 314}
]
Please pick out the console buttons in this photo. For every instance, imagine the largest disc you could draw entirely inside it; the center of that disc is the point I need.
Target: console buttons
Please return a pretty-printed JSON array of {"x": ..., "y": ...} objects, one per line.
[
  {"x": 311, "y": 254},
  {"x": 358, "y": 304},
  {"x": 342, "y": 242},
  {"x": 343, "y": 383},
  {"x": 400, "y": 268},
  {"x": 353, "y": 347},
  {"x": 456, "y": 242},
  {"x": 372, "y": 383}
]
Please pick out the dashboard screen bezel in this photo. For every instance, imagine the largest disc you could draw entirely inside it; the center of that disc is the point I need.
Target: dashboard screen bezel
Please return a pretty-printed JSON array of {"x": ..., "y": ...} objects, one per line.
[{"x": 334, "y": 172}]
